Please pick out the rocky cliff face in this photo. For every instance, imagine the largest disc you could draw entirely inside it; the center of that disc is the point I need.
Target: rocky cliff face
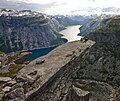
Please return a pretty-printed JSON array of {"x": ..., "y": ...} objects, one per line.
[
  {"x": 22, "y": 30},
  {"x": 77, "y": 71},
  {"x": 49, "y": 75},
  {"x": 95, "y": 24},
  {"x": 95, "y": 75}
]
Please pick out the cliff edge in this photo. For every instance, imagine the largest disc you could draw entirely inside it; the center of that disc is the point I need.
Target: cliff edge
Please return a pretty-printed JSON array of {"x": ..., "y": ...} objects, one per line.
[
  {"x": 44, "y": 71},
  {"x": 84, "y": 70}
]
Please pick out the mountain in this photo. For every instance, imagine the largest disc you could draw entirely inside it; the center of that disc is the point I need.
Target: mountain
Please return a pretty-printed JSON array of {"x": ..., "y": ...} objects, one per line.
[
  {"x": 69, "y": 20},
  {"x": 24, "y": 30},
  {"x": 95, "y": 24},
  {"x": 101, "y": 63},
  {"x": 84, "y": 70}
]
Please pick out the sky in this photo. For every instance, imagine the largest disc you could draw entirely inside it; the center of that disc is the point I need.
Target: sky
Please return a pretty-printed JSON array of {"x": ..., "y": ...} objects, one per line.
[{"x": 64, "y": 6}]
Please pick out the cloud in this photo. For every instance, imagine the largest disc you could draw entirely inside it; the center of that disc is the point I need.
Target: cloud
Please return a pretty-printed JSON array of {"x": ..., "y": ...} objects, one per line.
[
  {"x": 22, "y": 5},
  {"x": 96, "y": 10},
  {"x": 113, "y": 9},
  {"x": 62, "y": 6}
]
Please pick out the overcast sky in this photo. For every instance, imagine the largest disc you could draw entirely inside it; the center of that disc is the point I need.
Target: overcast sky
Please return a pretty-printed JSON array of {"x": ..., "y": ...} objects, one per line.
[{"x": 60, "y": 6}]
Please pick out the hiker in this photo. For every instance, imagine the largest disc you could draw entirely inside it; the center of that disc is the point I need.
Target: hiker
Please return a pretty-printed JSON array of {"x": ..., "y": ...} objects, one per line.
[{"x": 83, "y": 39}]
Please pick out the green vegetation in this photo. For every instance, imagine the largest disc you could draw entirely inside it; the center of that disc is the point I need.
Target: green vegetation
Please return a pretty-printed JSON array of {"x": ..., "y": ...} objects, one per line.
[
  {"x": 14, "y": 57},
  {"x": 1, "y": 53},
  {"x": 13, "y": 70}
]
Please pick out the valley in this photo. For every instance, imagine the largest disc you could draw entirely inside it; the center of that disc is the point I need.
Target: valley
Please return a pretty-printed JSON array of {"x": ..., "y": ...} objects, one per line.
[{"x": 74, "y": 69}]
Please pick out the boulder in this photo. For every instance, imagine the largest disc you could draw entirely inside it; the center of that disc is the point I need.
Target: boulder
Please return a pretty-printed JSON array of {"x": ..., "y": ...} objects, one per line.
[
  {"x": 6, "y": 89},
  {"x": 5, "y": 79},
  {"x": 80, "y": 92},
  {"x": 77, "y": 94},
  {"x": 17, "y": 93},
  {"x": 11, "y": 83}
]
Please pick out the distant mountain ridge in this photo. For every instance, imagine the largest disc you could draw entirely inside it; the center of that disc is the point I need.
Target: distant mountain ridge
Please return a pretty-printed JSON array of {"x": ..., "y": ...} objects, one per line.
[
  {"x": 26, "y": 29},
  {"x": 72, "y": 19},
  {"x": 97, "y": 23},
  {"x": 23, "y": 30}
]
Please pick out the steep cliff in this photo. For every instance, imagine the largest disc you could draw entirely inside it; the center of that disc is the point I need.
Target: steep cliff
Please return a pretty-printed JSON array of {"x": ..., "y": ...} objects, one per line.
[
  {"x": 101, "y": 62},
  {"x": 93, "y": 75},
  {"x": 77, "y": 71},
  {"x": 48, "y": 75},
  {"x": 95, "y": 24},
  {"x": 22, "y": 30}
]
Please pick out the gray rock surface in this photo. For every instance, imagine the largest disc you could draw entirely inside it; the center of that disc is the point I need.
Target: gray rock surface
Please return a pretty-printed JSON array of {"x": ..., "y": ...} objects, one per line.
[
  {"x": 95, "y": 24},
  {"x": 5, "y": 79},
  {"x": 6, "y": 89},
  {"x": 23, "y": 30},
  {"x": 37, "y": 74},
  {"x": 11, "y": 83},
  {"x": 95, "y": 70},
  {"x": 77, "y": 94},
  {"x": 1, "y": 95},
  {"x": 17, "y": 94}
]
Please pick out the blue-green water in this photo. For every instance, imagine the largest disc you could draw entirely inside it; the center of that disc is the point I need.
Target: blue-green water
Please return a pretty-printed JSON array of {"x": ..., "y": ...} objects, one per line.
[
  {"x": 39, "y": 52},
  {"x": 70, "y": 33}
]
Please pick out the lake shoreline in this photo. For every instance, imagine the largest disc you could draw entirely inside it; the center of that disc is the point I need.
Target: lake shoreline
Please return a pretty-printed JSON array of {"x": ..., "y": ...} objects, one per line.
[
  {"x": 71, "y": 33},
  {"x": 38, "y": 52}
]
